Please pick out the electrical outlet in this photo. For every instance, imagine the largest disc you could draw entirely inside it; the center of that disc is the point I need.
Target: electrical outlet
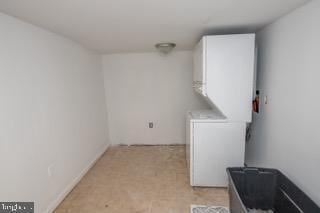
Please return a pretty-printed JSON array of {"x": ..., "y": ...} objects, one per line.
[
  {"x": 150, "y": 125},
  {"x": 50, "y": 170},
  {"x": 265, "y": 100}
]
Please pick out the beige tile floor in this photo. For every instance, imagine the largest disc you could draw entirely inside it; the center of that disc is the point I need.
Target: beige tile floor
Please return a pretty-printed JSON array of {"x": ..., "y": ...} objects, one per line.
[{"x": 140, "y": 179}]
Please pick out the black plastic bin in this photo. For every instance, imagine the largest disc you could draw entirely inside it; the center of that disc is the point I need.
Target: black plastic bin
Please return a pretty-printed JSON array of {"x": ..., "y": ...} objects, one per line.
[{"x": 266, "y": 189}]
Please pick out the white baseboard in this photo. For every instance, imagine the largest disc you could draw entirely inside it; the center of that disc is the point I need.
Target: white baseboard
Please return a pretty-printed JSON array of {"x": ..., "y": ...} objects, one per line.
[
  {"x": 75, "y": 181},
  {"x": 149, "y": 144}
]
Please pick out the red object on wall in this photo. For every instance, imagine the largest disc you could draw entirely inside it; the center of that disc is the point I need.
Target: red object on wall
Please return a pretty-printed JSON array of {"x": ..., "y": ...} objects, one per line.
[{"x": 255, "y": 103}]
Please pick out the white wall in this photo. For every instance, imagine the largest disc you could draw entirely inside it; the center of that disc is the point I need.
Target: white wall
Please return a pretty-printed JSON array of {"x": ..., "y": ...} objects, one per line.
[
  {"x": 52, "y": 112},
  {"x": 286, "y": 133},
  {"x": 143, "y": 87}
]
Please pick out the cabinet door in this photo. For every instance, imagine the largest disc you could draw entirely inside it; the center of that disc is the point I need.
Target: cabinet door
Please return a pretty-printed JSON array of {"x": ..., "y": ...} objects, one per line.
[{"x": 216, "y": 146}]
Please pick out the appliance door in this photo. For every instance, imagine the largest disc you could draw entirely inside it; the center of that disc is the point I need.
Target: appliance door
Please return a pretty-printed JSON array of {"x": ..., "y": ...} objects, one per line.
[{"x": 216, "y": 146}]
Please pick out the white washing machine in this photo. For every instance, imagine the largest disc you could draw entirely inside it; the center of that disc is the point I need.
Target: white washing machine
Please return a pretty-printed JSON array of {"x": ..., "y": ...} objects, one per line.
[{"x": 213, "y": 144}]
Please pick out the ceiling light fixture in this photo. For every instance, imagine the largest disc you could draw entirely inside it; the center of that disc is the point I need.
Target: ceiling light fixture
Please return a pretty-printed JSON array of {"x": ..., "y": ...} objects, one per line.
[{"x": 165, "y": 47}]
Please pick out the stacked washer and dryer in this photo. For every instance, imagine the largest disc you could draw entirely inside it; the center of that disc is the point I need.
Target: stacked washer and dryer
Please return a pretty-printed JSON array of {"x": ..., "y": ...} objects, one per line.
[{"x": 224, "y": 73}]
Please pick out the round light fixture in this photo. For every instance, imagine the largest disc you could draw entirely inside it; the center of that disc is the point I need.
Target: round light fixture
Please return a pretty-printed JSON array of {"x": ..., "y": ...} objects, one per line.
[{"x": 165, "y": 47}]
